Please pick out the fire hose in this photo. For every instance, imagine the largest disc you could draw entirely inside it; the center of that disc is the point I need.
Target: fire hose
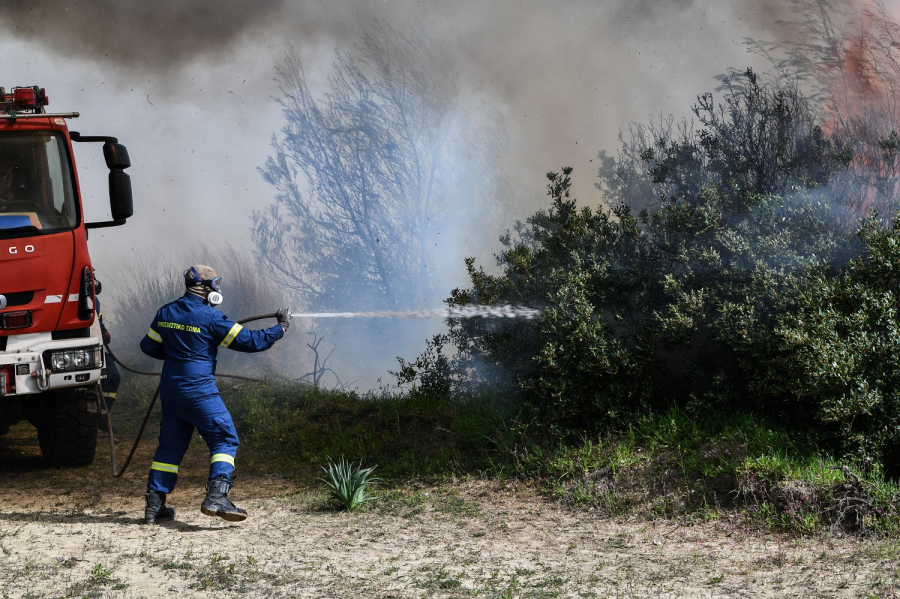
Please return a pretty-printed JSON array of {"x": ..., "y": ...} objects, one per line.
[{"x": 140, "y": 435}]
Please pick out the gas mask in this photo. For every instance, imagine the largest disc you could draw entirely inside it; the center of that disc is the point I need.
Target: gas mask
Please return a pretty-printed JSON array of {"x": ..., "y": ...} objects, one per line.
[{"x": 211, "y": 287}]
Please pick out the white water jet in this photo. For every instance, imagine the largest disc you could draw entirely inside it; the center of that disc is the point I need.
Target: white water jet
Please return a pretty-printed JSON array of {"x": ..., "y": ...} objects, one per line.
[{"x": 504, "y": 311}]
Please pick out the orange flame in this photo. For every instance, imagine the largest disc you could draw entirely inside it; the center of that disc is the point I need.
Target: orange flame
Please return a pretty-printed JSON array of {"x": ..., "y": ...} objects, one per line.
[{"x": 861, "y": 81}]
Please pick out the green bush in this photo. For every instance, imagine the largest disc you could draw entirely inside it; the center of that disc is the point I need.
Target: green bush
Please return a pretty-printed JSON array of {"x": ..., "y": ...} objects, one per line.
[
  {"x": 745, "y": 284},
  {"x": 841, "y": 347}
]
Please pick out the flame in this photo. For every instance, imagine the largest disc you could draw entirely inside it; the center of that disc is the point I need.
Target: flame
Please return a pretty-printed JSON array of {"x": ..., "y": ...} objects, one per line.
[
  {"x": 861, "y": 81},
  {"x": 865, "y": 50}
]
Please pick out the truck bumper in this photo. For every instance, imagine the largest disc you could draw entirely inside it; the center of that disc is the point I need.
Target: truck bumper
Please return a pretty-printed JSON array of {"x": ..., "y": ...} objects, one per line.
[{"x": 25, "y": 360}]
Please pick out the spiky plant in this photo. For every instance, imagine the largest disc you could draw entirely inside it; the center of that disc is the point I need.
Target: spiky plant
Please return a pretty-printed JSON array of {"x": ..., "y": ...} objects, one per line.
[{"x": 347, "y": 482}]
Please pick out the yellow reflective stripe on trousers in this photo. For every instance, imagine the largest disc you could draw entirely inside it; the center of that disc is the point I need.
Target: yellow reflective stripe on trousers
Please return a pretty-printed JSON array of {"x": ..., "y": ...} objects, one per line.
[
  {"x": 154, "y": 335},
  {"x": 231, "y": 335},
  {"x": 109, "y": 394},
  {"x": 164, "y": 467},
  {"x": 221, "y": 457}
]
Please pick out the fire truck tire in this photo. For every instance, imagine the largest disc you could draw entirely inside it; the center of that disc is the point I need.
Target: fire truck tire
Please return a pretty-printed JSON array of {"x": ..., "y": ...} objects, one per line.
[{"x": 68, "y": 434}]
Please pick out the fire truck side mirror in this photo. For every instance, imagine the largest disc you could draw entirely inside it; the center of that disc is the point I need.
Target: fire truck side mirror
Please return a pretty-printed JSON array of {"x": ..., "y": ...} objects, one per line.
[
  {"x": 121, "y": 204},
  {"x": 116, "y": 156}
]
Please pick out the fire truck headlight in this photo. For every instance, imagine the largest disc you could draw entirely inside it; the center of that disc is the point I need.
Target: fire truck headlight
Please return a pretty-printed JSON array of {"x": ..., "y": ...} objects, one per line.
[
  {"x": 62, "y": 360},
  {"x": 81, "y": 358},
  {"x": 75, "y": 359}
]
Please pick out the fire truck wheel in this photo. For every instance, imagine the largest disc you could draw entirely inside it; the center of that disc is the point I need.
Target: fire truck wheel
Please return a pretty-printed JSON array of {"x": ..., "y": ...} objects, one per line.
[{"x": 68, "y": 434}]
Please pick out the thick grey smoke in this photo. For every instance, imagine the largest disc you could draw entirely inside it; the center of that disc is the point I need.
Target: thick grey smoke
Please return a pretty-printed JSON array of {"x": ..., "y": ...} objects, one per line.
[
  {"x": 189, "y": 87},
  {"x": 156, "y": 35}
]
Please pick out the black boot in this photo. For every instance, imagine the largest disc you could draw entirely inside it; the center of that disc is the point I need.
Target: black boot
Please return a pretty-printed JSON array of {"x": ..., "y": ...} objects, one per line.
[
  {"x": 217, "y": 502},
  {"x": 156, "y": 510}
]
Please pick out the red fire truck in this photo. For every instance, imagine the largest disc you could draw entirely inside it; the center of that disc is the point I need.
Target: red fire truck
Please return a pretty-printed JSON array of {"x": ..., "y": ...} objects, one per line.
[{"x": 51, "y": 353}]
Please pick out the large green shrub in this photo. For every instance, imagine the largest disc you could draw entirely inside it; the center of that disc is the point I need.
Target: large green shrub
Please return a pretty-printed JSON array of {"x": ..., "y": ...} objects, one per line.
[
  {"x": 745, "y": 284},
  {"x": 841, "y": 348}
]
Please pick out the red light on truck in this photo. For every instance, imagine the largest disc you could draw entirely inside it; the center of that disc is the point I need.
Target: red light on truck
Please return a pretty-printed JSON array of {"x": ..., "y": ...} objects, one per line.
[
  {"x": 7, "y": 380},
  {"x": 15, "y": 320},
  {"x": 24, "y": 97}
]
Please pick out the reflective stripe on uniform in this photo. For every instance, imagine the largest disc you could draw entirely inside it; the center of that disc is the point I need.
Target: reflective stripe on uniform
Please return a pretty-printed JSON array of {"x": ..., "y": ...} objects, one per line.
[
  {"x": 164, "y": 467},
  {"x": 109, "y": 394},
  {"x": 154, "y": 335},
  {"x": 231, "y": 335},
  {"x": 221, "y": 457}
]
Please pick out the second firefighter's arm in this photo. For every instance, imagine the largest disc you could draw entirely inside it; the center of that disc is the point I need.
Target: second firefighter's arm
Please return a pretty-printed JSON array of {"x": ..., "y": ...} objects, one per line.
[{"x": 103, "y": 330}]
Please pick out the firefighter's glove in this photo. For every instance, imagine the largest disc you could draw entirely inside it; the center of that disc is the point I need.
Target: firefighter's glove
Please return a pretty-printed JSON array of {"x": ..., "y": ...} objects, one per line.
[
  {"x": 284, "y": 318},
  {"x": 106, "y": 337}
]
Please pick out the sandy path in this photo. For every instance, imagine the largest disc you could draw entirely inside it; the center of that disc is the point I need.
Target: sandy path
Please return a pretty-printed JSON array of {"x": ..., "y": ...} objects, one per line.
[
  {"x": 75, "y": 533},
  {"x": 471, "y": 539}
]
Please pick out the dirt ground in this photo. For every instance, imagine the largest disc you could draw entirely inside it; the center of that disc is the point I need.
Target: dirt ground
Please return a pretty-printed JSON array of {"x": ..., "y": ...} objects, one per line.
[{"x": 75, "y": 533}]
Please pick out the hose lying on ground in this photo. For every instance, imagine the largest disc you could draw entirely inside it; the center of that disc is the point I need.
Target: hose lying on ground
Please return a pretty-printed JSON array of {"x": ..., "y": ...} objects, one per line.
[{"x": 140, "y": 435}]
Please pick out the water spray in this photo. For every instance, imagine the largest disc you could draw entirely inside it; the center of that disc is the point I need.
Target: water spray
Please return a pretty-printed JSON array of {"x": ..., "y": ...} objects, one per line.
[{"x": 504, "y": 311}]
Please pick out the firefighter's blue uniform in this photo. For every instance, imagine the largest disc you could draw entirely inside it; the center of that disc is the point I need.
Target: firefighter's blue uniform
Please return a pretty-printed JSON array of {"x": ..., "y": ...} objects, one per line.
[
  {"x": 187, "y": 334},
  {"x": 109, "y": 385}
]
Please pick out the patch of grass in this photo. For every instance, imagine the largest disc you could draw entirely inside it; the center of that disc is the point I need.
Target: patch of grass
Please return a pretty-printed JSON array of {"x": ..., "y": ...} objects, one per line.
[
  {"x": 295, "y": 426},
  {"x": 221, "y": 573},
  {"x": 402, "y": 503},
  {"x": 671, "y": 465},
  {"x": 215, "y": 573},
  {"x": 448, "y": 502},
  {"x": 99, "y": 581},
  {"x": 439, "y": 579}
]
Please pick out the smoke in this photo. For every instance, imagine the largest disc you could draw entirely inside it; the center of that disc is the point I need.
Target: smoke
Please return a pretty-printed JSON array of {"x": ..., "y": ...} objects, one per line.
[
  {"x": 135, "y": 34},
  {"x": 188, "y": 86},
  {"x": 567, "y": 75},
  {"x": 164, "y": 34}
]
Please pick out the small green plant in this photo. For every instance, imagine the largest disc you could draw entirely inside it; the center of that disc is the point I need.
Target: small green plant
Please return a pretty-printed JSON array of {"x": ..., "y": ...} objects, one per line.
[
  {"x": 347, "y": 482},
  {"x": 100, "y": 575}
]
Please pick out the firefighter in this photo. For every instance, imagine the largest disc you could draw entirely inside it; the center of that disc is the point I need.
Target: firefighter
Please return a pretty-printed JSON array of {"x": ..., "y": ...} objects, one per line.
[
  {"x": 187, "y": 334},
  {"x": 110, "y": 385}
]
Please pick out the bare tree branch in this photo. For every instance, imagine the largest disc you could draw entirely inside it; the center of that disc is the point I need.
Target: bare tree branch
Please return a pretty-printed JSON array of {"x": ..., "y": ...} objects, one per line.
[{"x": 375, "y": 177}]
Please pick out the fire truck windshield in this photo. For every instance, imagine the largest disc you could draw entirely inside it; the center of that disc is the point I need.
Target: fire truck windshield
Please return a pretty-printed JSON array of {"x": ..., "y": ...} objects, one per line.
[{"x": 36, "y": 191}]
